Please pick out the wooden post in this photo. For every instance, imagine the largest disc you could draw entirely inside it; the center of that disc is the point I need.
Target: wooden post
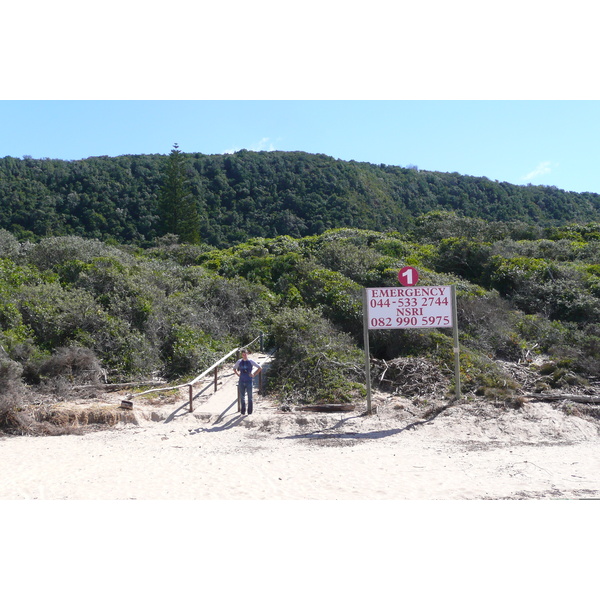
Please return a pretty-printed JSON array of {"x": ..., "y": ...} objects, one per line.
[
  {"x": 216, "y": 378},
  {"x": 366, "y": 345},
  {"x": 191, "y": 398},
  {"x": 456, "y": 345}
]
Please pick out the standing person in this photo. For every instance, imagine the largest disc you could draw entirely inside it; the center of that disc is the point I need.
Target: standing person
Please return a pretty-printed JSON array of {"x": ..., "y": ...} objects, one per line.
[{"x": 243, "y": 368}]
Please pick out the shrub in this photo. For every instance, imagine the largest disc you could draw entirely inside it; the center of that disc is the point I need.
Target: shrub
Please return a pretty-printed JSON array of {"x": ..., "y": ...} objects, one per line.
[
  {"x": 588, "y": 359},
  {"x": 125, "y": 292},
  {"x": 74, "y": 363},
  {"x": 186, "y": 351},
  {"x": 167, "y": 248},
  {"x": 124, "y": 350},
  {"x": 53, "y": 251},
  {"x": 56, "y": 317},
  {"x": 489, "y": 324},
  {"x": 11, "y": 394},
  {"x": 314, "y": 361},
  {"x": 388, "y": 344},
  {"x": 339, "y": 298},
  {"x": 463, "y": 257},
  {"x": 73, "y": 318},
  {"x": 543, "y": 334},
  {"x": 223, "y": 308},
  {"x": 350, "y": 260},
  {"x": 480, "y": 375},
  {"x": 9, "y": 245}
]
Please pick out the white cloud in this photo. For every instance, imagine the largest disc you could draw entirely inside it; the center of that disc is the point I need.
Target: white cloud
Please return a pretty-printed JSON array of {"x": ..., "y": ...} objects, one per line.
[
  {"x": 264, "y": 144},
  {"x": 543, "y": 168}
]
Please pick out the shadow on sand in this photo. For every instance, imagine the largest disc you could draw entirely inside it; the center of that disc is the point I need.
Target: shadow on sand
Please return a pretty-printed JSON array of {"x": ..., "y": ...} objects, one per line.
[
  {"x": 234, "y": 419},
  {"x": 330, "y": 433},
  {"x": 184, "y": 408}
]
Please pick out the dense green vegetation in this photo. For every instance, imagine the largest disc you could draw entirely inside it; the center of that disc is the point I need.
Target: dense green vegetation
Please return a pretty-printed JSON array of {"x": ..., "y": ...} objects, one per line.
[
  {"x": 256, "y": 194},
  {"x": 70, "y": 305},
  {"x": 94, "y": 280}
]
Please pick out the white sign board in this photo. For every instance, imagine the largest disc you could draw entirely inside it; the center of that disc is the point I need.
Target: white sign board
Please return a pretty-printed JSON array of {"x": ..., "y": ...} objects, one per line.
[{"x": 409, "y": 307}]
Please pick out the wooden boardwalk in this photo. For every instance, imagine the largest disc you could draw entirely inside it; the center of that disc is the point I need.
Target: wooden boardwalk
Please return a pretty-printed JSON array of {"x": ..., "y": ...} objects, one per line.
[{"x": 223, "y": 402}]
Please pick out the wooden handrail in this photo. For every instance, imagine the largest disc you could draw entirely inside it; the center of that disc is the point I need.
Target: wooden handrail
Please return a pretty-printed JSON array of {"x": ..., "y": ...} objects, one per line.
[
  {"x": 205, "y": 373},
  {"x": 191, "y": 384}
]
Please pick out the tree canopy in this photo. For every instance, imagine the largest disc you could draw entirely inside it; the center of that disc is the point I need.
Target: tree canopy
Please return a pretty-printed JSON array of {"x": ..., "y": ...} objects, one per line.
[{"x": 239, "y": 196}]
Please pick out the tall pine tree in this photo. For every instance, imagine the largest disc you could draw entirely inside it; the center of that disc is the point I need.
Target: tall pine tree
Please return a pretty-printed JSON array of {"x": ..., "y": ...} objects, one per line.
[{"x": 177, "y": 207}]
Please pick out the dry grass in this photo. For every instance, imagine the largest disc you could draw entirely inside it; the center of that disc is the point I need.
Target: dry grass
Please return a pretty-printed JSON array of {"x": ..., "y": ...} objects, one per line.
[
  {"x": 46, "y": 416},
  {"x": 12, "y": 417},
  {"x": 68, "y": 416}
]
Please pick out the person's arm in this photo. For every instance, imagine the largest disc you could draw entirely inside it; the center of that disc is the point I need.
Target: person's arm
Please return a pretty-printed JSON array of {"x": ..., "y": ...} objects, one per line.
[{"x": 258, "y": 369}]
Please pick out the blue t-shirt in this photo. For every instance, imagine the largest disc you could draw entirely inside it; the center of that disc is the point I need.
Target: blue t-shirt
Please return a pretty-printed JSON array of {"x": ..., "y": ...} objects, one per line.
[{"x": 245, "y": 368}]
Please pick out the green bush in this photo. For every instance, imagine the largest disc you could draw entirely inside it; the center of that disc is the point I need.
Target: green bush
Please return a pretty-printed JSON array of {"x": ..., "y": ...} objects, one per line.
[
  {"x": 339, "y": 298},
  {"x": 51, "y": 252},
  {"x": 463, "y": 257},
  {"x": 314, "y": 361},
  {"x": 482, "y": 376},
  {"x": 223, "y": 308},
  {"x": 488, "y": 324},
  {"x": 348, "y": 259},
  {"x": 172, "y": 308},
  {"x": 9, "y": 245},
  {"x": 185, "y": 352}
]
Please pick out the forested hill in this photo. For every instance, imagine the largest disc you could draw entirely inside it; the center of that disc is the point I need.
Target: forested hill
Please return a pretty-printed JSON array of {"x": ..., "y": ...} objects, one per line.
[{"x": 259, "y": 194}]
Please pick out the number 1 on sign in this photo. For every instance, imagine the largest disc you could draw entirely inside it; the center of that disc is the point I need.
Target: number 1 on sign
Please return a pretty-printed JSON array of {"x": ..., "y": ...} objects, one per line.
[{"x": 408, "y": 276}]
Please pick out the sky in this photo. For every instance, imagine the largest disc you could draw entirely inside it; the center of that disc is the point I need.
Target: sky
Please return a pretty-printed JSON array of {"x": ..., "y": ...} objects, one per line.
[
  {"x": 506, "y": 90},
  {"x": 545, "y": 142}
]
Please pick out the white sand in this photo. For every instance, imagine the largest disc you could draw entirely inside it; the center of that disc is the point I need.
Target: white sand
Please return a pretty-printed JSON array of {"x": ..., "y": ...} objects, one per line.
[
  {"x": 466, "y": 452},
  {"x": 305, "y": 549}
]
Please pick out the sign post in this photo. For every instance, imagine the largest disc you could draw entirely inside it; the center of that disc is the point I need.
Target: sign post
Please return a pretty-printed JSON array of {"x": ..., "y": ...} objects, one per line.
[
  {"x": 455, "y": 347},
  {"x": 410, "y": 307},
  {"x": 367, "y": 352}
]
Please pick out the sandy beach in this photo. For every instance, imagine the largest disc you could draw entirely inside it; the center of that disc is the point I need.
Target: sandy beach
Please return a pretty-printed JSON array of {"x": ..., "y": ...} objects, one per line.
[
  {"x": 348, "y": 548},
  {"x": 472, "y": 451}
]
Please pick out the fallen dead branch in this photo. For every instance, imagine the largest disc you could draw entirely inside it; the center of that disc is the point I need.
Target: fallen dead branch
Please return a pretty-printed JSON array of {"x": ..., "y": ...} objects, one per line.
[
  {"x": 113, "y": 387},
  {"x": 327, "y": 408},
  {"x": 409, "y": 376},
  {"x": 559, "y": 397}
]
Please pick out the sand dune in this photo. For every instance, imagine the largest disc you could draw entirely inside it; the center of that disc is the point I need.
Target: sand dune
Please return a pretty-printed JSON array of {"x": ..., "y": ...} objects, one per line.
[{"x": 469, "y": 451}]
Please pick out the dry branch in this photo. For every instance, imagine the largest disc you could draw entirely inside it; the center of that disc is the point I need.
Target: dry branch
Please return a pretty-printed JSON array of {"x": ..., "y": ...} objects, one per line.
[
  {"x": 113, "y": 387},
  {"x": 558, "y": 397},
  {"x": 409, "y": 376}
]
